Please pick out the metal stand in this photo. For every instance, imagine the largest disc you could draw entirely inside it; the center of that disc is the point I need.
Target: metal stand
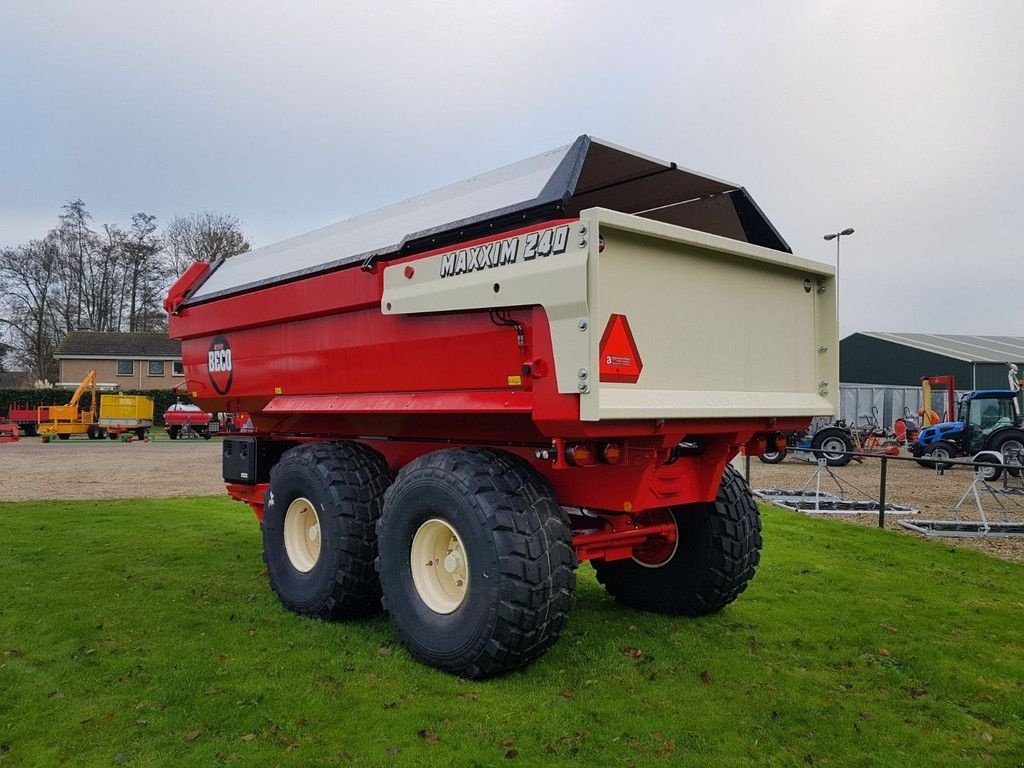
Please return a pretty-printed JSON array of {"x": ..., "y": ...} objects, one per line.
[
  {"x": 821, "y": 503},
  {"x": 982, "y": 527}
]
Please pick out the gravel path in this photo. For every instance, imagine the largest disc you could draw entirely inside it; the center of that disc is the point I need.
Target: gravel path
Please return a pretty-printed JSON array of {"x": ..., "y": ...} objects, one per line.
[
  {"x": 908, "y": 485},
  {"x": 107, "y": 469}
]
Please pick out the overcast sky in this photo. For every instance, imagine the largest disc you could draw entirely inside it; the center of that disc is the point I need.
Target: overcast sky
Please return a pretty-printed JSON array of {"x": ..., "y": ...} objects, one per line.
[{"x": 901, "y": 119}]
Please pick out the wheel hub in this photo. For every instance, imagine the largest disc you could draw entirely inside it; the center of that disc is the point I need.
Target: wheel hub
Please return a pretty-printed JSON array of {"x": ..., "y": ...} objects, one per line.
[
  {"x": 302, "y": 535},
  {"x": 439, "y": 565},
  {"x": 656, "y": 551}
]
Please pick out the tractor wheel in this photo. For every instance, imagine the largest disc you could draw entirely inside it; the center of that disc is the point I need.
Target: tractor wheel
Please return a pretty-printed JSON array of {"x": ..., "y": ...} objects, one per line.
[
  {"x": 772, "y": 457},
  {"x": 718, "y": 546},
  {"x": 172, "y": 433},
  {"x": 1011, "y": 444},
  {"x": 831, "y": 444},
  {"x": 476, "y": 561},
  {"x": 319, "y": 540},
  {"x": 940, "y": 454}
]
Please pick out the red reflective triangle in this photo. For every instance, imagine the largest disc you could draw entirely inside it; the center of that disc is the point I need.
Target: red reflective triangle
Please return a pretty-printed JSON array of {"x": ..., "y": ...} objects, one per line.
[{"x": 620, "y": 360}]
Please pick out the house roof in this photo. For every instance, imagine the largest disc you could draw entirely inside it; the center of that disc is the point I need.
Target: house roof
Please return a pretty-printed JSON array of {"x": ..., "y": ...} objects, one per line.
[
  {"x": 970, "y": 349},
  {"x": 585, "y": 174},
  {"x": 96, "y": 344}
]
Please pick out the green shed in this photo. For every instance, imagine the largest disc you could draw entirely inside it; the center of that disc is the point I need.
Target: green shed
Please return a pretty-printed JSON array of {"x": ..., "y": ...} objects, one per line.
[{"x": 902, "y": 359}]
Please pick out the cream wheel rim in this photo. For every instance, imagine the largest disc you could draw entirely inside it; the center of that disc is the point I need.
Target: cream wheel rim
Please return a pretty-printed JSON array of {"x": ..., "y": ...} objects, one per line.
[
  {"x": 302, "y": 535},
  {"x": 440, "y": 568}
]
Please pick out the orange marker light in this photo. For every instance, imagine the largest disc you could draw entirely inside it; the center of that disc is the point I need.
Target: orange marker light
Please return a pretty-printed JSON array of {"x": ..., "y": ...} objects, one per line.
[
  {"x": 579, "y": 454},
  {"x": 611, "y": 453}
]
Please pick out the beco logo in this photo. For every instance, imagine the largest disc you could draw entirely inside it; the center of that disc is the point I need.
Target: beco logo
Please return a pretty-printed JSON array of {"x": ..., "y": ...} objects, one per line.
[{"x": 219, "y": 364}]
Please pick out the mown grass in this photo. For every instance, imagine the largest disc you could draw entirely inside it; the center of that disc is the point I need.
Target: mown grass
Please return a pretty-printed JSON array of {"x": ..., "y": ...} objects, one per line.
[{"x": 143, "y": 633}]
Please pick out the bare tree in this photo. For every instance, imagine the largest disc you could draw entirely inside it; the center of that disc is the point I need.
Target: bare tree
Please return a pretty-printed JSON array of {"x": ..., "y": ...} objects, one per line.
[
  {"x": 78, "y": 244},
  {"x": 110, "y": 280},
  {"x": 28, "y": 303},
  {"x": 205, "y": 236},
  {"x": 143, "y": 274}
]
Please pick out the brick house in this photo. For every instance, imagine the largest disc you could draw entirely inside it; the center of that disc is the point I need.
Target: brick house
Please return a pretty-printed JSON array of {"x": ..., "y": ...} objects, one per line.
[{"x": 121, "y": 360}]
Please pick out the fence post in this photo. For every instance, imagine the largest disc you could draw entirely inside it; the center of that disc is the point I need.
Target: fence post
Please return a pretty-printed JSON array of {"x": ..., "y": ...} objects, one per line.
[{"x": 881, "y": 493}]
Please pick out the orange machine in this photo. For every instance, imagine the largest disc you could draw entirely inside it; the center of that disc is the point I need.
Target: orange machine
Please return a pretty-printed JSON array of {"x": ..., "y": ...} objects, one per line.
[{"x": 67, "y": 420}]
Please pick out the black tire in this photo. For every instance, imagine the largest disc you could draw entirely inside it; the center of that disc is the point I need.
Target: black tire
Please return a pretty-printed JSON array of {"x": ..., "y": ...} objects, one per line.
[
  {"x": 345, "y": 484},
  {"x": 113, "y": 435},
  {"x": 993, "y": 468},
  {"x": 830, "y": 443},
  {"x": 172, "y": 433},
  {"x": 141, "y": 433},
  {"x": 64, "y": 436},
  {"x": 1011, "y": 445},
  {"x": 518, "y": 546},
  {"x": 772, "y": 457},
  {"x": 939, "y": 454},
  {"x": 93, "y": 432},
  {"x": 717, "y": 551}
]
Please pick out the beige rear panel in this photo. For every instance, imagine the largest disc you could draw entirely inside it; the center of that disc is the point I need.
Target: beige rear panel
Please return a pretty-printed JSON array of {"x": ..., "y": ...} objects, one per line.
[{"x": 725, "y": 329}]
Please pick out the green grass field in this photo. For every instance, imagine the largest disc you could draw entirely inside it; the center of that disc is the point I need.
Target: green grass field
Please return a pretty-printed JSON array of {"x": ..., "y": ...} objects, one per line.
[{"x": 144, "y": 633}]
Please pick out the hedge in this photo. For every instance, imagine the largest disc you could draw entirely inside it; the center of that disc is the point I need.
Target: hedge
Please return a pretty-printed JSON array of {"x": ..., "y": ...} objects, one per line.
[{"x": 162, "y": 399}]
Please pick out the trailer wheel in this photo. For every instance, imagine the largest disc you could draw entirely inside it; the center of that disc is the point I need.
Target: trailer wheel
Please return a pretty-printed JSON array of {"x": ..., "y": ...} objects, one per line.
[
  {"x": 64, "y": 436},
  {"x": 31, "y": 430},
  {"x": 772, "y": 457},
  {"x": 113, "y": 435},
  {"x": 831, "y": 444},
  {"x": 717, "y": 550},
  {"x": 93, "y": 432},
  {"x": 476, "y": 561},
  {"x": 172, "y": 433},
  {"x": 319, "y": 540}
]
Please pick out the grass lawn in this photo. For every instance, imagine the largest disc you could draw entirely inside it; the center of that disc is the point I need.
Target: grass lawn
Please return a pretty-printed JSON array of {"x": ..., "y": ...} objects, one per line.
[{"x": 144, "y": 633}]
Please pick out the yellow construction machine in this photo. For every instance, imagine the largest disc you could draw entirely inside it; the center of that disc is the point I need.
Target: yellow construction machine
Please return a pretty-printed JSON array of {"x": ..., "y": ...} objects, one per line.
[
  {"x": 118, "y": 415},
  {"x": 67, "y": 420}
]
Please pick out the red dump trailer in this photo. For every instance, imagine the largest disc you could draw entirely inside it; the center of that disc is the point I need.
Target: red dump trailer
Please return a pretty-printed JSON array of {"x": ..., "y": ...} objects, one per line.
[
  {"x": 457, "y": 398},
  {"x": 28, "y": 417}
]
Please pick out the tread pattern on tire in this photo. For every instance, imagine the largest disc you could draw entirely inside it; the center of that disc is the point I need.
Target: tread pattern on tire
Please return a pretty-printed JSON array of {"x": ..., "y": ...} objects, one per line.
[
  {"x": 354, "y": 478},
  {"x": 731, "y": 559},
  {"x": 537, "y": 562}
]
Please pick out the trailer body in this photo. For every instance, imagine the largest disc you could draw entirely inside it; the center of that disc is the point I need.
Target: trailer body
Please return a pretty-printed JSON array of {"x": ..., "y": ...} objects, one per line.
[
  {"x": 28, "y": 417},
  {"x": 126, "y": 410},
  {"x": 607, "y": 328}
]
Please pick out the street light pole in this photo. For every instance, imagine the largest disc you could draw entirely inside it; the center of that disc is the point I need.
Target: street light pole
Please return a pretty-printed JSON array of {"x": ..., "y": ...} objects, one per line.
[{"x": 837, "y": 236}]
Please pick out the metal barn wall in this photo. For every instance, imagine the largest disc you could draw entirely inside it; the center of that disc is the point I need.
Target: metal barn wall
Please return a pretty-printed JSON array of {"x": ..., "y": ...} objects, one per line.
[
  {"x": 857, "y": 400},
  {"x": 993, "y": 375},
  {"x": 869, "y": 360}
]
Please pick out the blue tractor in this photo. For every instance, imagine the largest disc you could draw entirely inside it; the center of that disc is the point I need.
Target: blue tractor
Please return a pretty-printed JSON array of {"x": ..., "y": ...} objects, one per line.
[{"x": 988, "y": 429}]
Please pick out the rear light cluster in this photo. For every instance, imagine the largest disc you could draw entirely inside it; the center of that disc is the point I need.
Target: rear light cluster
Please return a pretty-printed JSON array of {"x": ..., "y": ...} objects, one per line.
[{"x": 585, "y": 454}]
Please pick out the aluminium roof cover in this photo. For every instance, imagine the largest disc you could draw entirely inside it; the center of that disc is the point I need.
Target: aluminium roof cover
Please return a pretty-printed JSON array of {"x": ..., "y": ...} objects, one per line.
[
  {"x": 970, "y": 349},
  {"x": 562, "y": 182}
]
